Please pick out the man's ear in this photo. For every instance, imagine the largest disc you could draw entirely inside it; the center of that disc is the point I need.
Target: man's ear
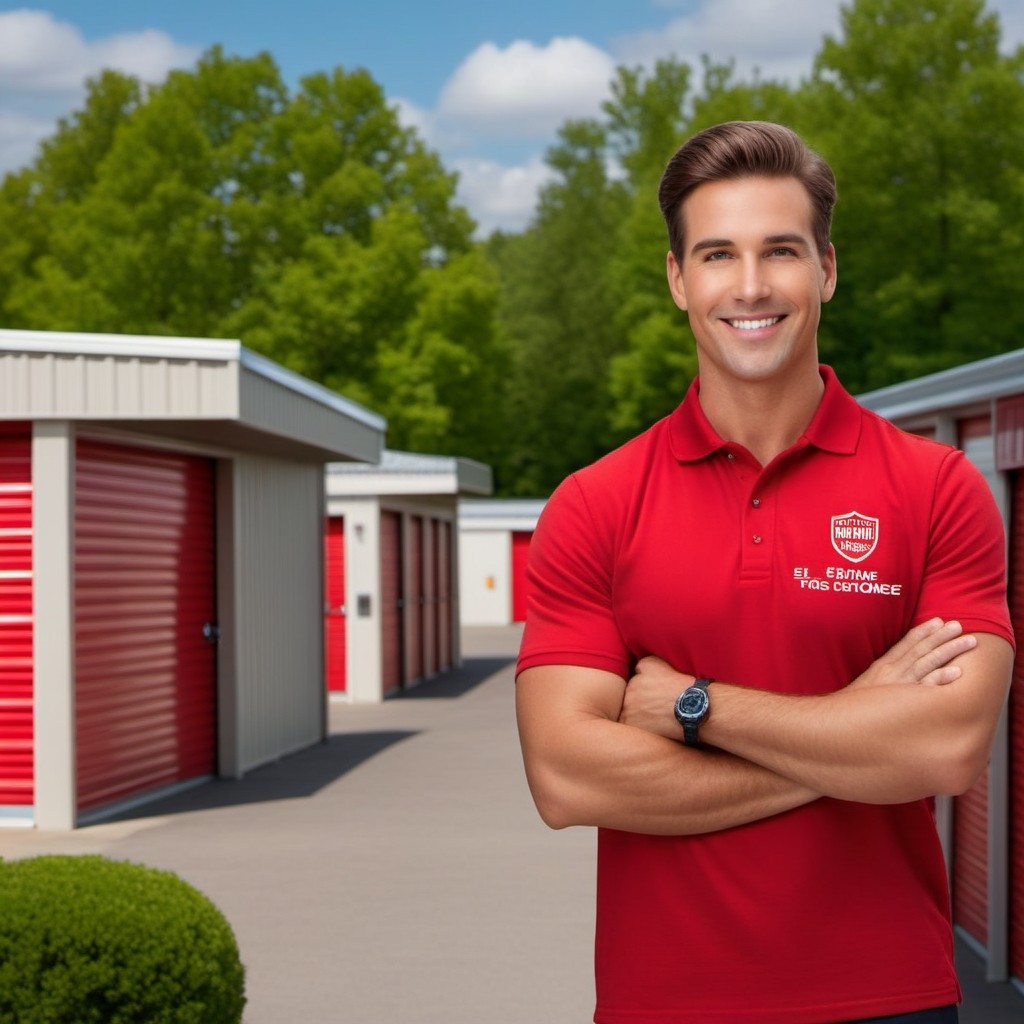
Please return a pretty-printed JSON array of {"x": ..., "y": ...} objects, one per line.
[
  {"x": 675, "y": 280},
  {"x": 831, "y": 273}
]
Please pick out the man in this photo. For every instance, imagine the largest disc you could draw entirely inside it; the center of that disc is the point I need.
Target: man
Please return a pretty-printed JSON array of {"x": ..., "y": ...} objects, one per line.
[{"x": 766, "y": 845}]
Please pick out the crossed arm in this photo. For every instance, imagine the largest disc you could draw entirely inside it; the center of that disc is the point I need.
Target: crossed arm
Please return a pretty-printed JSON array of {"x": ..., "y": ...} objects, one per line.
[{"x": 918, "y": 722}]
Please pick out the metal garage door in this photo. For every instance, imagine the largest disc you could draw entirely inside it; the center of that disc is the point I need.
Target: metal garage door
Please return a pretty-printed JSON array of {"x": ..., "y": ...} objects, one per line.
[
  {"x": 391, "y": 601},
  {"x": 443, "y": 561},
  {"x": 414, "y": 609},
  {"x": 334, "y": 626},
  {"x": 16, "y": 762},
  {"x": 145, "y": 660},
  {"x": 520, "y": 554}
]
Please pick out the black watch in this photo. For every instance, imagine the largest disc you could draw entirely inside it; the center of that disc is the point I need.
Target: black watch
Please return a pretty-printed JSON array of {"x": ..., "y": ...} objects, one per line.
[{"x": 692, "y": 708}]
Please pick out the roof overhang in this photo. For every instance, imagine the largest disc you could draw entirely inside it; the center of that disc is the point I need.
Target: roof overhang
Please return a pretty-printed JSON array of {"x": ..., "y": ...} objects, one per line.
[
  {"x": 981, "y": 381},
  {"x": 409, "y": 473},
  {"x": 203, "y": 390}
]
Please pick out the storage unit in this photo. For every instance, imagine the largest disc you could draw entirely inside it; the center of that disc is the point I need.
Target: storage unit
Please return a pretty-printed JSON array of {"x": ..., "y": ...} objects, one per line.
[
  {"x": 980, "y": 408},
  {"x": 161, "y": 530},
  {"x": 494, "y": 542},
  {"x": 396, "y": 521}
]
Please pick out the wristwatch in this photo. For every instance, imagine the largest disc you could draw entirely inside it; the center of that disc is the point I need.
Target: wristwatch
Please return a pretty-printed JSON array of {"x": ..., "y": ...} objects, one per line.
[{"x": 692, "y": 708}]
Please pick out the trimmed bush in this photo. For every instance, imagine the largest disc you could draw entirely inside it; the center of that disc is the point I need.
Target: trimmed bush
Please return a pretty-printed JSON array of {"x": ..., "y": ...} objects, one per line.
[{"x": 87, "y": 940}]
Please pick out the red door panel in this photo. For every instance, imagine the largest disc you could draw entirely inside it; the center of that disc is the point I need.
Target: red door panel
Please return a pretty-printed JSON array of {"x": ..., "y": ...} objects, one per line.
[
  {"x": 391, "y": 601},
  {"x": 145, "y": 673},
  {"x": 520, "y": 553},
  {"x": 334, "y": 624},
  {"x": 16, "y": 731}
]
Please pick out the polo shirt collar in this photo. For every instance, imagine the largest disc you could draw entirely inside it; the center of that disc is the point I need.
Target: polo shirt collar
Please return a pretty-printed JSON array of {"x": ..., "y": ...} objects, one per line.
[{"x": 835, "y": 426}]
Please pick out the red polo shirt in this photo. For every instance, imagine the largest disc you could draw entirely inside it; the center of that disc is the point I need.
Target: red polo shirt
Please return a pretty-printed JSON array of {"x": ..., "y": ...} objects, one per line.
[{"x": 791, "y": 577}]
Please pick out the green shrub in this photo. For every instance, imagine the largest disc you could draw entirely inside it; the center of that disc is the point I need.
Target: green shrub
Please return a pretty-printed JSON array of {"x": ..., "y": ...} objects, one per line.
[{"x": 86, "y": 940}]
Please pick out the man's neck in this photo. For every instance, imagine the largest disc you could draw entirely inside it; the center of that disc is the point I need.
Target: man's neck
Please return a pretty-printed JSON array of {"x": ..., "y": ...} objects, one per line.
[{"x": 766, "y": 417}]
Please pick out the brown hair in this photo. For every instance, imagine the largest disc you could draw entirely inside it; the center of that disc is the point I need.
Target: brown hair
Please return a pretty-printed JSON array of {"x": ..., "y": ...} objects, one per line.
[{"x": 744, "y": 149}]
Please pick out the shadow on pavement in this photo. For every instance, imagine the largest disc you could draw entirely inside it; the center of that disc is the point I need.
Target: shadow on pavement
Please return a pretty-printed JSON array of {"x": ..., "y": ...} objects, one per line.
[
  {"x": 458, "y": 681},
  {"x": 296, "y": 776}
]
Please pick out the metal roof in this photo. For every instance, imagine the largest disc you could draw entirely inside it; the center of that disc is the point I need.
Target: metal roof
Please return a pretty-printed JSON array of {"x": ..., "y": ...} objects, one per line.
[
  {"x": 980, "y": 381},
  {"x": 409, "y": 473},
  {"x": 201, "y": 389}
]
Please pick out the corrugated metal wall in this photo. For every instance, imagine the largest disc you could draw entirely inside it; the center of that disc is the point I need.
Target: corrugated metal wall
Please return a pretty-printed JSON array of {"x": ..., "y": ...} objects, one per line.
[
  {"x": 16, "y": 761},
  {"x": 278, "y": 582}
]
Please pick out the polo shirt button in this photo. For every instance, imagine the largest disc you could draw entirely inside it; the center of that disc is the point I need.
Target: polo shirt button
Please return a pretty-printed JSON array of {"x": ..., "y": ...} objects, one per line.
[
  {"x": 756, "y": 503},
  {"x": 757, "y": 540},
  {"x": 730, "y": 455}
]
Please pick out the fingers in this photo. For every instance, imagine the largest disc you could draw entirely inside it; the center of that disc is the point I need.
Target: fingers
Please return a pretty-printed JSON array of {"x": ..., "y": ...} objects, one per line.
[{"x": 934, "y": 669}]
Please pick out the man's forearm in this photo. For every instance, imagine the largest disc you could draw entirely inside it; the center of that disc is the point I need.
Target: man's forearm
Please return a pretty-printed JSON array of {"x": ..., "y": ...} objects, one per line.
[
  {"x": 880, "y": 744},
  {"x": 585, "y": 768}
]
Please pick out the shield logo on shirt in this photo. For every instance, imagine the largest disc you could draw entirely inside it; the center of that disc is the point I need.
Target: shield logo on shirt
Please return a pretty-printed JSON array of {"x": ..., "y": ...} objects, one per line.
[{"x": 854, "y": 535}]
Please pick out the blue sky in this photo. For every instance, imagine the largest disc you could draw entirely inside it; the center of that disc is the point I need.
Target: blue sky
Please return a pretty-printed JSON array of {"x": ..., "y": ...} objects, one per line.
[{"x": 486, "y": 84}]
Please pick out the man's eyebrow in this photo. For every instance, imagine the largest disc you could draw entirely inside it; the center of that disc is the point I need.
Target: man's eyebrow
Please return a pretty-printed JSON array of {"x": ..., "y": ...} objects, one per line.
[{"x": 790, "y": 238}]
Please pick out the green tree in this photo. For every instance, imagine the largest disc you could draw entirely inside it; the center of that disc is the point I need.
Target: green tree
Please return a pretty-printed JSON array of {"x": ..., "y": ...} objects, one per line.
[
  {"x": 313, "y": 226},
  {"x": 558, "y": 317},
  {"x": 916, "y": 109}
]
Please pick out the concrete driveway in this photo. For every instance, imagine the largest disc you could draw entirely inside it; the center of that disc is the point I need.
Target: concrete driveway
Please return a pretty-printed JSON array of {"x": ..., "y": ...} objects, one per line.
[{"x": 399, "y": 872}]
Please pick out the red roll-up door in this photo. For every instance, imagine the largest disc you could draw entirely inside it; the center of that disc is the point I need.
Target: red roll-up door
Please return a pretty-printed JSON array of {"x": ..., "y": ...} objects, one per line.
[
  {"x": 430, "y": 664},
  {"x": 1016, "y": 727},
  {"x": 520, "y": 553},
  {"x": 145, "y": 666},
  {"x": 334, "y": 618},
  {"x": 16, "y": 753},
  {"x": 414, "y": 616},
  {"x": 391, "y": 601},
  {"x": 970, "y": 860},
  {"x": 443, "y": 560}
]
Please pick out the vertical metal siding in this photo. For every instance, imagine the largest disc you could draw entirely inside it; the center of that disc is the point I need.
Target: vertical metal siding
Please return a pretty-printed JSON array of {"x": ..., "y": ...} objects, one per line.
[
  {"x": 279, "y": 590},
  {"x": 1016, "y": 724},
  {"x": 334, "y": 624},
  {"x": 145, "y": 675},
  {"x": 16, "y": 747},
  {"x": 391, "y": 601}
]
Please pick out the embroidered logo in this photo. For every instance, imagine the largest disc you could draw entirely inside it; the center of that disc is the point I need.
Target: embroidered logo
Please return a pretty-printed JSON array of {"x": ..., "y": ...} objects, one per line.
[{"x": 854, "y": 535}]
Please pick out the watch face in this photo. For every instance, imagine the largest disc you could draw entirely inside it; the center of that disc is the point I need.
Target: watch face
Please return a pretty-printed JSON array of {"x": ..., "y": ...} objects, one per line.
[{"x": 693, "y": 703}]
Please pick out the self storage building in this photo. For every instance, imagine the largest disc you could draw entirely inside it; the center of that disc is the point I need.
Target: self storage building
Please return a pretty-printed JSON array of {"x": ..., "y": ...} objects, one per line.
[
  {"x": 980, "y": 408},
  {"x": 161, "y": 570},
  {"x": 392, "y": 570},
  {"x": 494, "y": 540}
]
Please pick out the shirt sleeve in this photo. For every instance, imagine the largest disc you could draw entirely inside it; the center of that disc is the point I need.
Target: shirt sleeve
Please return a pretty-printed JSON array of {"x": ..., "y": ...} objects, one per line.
[
  {"x": 569, "y": 618},
  {"x": 965, "y": 575}
]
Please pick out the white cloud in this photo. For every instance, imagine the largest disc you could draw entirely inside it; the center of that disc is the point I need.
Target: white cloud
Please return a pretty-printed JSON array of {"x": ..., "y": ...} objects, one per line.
[
  {"x": 500, "y": 197},
  {"x": 525, "y": 90},
  {"x": 753, "y": 32},
  {"x": 44, "y": 64}
]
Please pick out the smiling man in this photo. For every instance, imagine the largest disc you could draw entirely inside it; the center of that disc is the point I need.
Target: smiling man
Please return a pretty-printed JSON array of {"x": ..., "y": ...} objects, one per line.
[{"x": 760, "y": 637}]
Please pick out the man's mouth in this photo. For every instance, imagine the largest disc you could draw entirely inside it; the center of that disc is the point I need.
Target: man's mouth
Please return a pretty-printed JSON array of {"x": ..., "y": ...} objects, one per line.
[{"x": 754, "y": 325}]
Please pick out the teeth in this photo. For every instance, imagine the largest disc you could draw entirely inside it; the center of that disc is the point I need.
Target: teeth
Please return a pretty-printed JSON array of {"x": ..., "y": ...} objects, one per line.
[{"x": 753, "y": 325}]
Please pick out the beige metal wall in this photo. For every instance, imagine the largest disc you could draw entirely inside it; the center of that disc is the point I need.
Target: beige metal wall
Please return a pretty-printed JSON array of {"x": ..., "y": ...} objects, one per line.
[{"x": 272, "y": 692}]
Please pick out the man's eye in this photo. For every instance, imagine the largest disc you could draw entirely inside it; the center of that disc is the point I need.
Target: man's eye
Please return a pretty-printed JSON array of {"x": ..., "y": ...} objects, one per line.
[
  {"x": 715, "y": 256},
  {"x": 782, "y": 250}
]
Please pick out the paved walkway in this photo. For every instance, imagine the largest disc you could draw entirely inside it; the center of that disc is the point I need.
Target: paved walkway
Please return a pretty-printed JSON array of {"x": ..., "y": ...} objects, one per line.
[{"x": 398, "y": 874}]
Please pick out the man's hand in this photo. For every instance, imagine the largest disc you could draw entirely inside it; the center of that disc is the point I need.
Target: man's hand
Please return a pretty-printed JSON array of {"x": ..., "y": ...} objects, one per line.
[
  {"x": 923, "y": 656},
  {"x": 650, "y": 697}
]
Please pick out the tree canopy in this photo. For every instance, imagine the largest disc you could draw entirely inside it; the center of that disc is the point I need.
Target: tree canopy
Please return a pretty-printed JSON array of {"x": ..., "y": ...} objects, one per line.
[{"x": 317, "y": 229}]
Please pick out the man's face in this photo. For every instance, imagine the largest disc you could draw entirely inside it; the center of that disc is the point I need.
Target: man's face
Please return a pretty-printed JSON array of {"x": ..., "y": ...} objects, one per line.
[{"x": 751, "y": 279}]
